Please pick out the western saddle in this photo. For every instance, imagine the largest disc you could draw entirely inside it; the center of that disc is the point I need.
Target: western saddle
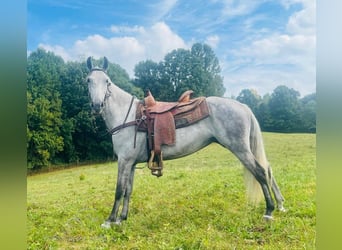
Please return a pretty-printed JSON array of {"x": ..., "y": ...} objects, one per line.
[{"x": 161, "y": 119}]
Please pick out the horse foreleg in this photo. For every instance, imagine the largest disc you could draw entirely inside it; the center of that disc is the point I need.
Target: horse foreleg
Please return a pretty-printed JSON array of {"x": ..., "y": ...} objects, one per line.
[
  {"x": 128, "y": 192},
  {"x": 124, "y": 170}
]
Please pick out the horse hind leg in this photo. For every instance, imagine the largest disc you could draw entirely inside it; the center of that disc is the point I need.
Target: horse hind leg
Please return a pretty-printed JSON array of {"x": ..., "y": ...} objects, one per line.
[
  {"x": 277, "y": 194},
  {"x": 259, "y": 173}
]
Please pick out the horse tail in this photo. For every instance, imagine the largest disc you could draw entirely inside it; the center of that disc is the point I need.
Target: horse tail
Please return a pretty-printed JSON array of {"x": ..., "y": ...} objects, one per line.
[{"x": 254, "y": 191}]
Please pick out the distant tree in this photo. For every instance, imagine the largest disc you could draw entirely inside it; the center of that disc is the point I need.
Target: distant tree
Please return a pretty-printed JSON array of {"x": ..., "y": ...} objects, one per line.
[
  {"x": 206, "y": 71},
  {"x": 282, "y": 111},
  {"x": 308, "y": 117},
  {"x": 263, "y": 114},
  {"x": 148, "y": 77},
  {"x": 251, "y": 98},
  {"x": 75, "y": 101},
  {"x": 44, "y": 114},
  {"x": 284, "y": 108},
  {"x": 176, "y": 74}
]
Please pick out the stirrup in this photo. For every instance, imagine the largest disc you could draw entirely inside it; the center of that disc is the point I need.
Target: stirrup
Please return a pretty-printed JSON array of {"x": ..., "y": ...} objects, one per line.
[
  {"x": 157, "y": 173},
  {"x": 156, "y": 169}
]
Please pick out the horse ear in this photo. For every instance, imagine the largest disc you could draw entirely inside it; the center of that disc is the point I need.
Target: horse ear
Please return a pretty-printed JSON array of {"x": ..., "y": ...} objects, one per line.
[
  {"x": 89, "y": 63},
  {"x": 105, "y": 63}
]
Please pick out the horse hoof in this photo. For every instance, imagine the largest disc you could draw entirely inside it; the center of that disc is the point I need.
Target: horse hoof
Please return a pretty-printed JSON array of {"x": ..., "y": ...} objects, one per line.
[
  {"x": 282, "y": 209},
  {"x": 268, "y": 217},
  {"x": 106, "y": 225},
  {"x": 117, "y": 223}
]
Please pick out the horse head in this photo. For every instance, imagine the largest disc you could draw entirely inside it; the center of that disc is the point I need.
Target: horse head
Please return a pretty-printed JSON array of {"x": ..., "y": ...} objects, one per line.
[{"x": 98, "y": 82}]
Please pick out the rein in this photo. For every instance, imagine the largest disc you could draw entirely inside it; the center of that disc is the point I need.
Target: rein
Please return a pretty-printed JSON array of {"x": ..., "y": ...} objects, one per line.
[{"x": 117, "y": 129}]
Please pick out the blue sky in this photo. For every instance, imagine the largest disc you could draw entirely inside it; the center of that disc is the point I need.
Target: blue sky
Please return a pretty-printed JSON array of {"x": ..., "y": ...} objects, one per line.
[{"x": 260, "y": 44}]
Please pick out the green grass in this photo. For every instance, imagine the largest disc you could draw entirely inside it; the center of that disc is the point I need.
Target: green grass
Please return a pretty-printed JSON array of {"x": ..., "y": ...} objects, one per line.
[{"x": 199, "y": 203}]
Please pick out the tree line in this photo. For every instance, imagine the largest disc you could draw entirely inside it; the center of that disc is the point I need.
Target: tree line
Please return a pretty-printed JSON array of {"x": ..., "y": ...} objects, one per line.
[
  {"x": 61, "y": 128},
  {"x": 283, "y": 110}
]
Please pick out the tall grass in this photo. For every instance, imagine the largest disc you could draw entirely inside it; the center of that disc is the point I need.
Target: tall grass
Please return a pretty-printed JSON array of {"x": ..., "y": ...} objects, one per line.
[{"x": 199, "y": 203}]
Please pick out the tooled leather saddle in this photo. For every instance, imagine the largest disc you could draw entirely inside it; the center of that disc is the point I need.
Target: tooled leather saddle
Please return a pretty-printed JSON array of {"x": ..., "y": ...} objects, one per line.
[{"x": 161, "y": 119}]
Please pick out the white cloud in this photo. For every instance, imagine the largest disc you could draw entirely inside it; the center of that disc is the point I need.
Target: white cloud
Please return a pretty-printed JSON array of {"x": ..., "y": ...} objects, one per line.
[
  {"x": 160, "y": 40},
  {"x": 58, "y": 50},
  {"x": 264, "y": 80},
  {"x": 121, "y": 50},
  {"x": 304, "y": 21},
  {"x": 280, "y": 49},
  {"x": 146, "y": 43}
]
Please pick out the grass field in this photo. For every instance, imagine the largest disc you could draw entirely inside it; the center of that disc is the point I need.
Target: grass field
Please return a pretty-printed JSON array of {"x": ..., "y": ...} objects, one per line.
[{"x": 199, "y": 203}]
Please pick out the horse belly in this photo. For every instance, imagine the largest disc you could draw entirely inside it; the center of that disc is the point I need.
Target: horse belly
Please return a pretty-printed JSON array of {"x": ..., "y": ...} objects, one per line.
[{"x": 188, "y": 140}]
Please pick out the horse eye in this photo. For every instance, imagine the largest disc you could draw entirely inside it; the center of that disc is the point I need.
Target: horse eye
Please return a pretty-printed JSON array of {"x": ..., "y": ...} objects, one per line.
[{"x": 88, "y": 80}]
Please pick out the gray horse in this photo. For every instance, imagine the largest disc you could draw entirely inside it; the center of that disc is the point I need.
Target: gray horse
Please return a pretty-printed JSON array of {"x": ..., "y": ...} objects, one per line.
[{"x": 230, "y": 123}]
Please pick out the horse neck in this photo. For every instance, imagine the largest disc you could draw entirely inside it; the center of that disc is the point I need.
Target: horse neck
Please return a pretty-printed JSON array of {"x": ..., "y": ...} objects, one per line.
[{"x": 117, "y": 107}]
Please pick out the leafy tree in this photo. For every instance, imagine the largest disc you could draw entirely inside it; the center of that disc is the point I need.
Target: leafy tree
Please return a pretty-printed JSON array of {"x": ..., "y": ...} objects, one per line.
[
  {"x": 251, "y": 98},
  {"x": 285, "y": 109},
  {"x": 263, "y": 114},
  {"x": 282, "y": 111},
  {"x": 74, "y": 95},
  {"x": 308, "y": 104},
  {"x": 148, "y": 77},
  {"x": 206, "y": 71},
  {"x": 176, "y": 74},
  {"x": 44, "y": 115}
]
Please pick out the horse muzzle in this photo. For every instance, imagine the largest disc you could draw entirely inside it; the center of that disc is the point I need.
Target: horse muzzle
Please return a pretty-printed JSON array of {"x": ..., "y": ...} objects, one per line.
[{"x": 97, "y": 108}]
